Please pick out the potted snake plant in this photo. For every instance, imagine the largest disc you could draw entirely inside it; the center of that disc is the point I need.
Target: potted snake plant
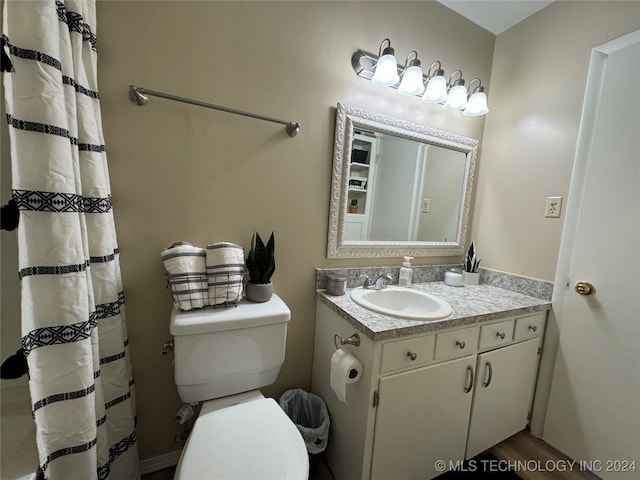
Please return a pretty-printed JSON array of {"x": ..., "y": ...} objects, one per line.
[
  {"x": 470, "y": 275},
  {"x": 261, "y": 264}
]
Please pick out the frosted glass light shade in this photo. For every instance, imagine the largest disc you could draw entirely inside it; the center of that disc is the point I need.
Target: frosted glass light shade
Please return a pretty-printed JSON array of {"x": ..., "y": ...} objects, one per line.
[
  {"x": 436, "y": 90},
  {"x": 386, "y": 74},
  {"x": 477, "y": 105},
  {"x": 411, "y": 82},
  {"x": 457, "y": 99}
]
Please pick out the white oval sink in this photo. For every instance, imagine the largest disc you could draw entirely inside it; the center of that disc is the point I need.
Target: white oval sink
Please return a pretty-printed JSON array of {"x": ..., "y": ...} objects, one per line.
[{"x": 402, "y": 302}]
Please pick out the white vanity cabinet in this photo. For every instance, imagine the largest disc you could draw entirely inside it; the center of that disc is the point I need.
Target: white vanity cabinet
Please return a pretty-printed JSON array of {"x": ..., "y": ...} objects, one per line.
[{"x": 445, "y": 395}]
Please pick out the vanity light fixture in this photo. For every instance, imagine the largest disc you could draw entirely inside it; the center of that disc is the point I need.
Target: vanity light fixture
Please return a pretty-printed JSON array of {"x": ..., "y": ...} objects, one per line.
[
  {"x": 457, "y": 99},
  {"x": 386, "y": 68},
  {"x": 384, "y": 71},
  {"x": 412, "y": 80},
  {"x": 436, "y": 91},
  {"x": 477, "y": 105}
]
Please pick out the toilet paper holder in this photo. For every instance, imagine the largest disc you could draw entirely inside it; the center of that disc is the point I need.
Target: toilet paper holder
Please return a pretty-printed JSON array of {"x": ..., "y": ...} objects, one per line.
[{"x": 352, "y": 340}]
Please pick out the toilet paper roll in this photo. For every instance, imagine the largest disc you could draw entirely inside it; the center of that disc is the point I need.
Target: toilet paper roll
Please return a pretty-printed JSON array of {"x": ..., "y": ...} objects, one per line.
[{"x": 345, "y": 369}]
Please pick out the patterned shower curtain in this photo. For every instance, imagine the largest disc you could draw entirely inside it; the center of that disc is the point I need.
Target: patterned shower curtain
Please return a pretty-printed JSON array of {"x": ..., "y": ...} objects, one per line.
[{"x": 73, "y": 320}]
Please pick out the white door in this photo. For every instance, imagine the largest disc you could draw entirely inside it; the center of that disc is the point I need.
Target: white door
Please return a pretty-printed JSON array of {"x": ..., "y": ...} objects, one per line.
[{"x": 594, "y": 405}]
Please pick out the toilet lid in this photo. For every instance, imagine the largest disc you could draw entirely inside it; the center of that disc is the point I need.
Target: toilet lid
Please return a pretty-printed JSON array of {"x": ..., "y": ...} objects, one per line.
[{"x": 253, "y": 440}]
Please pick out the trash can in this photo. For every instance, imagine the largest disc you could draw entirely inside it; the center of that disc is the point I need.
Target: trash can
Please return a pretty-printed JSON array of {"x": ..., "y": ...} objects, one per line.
[{"x": 310, "y": 414}]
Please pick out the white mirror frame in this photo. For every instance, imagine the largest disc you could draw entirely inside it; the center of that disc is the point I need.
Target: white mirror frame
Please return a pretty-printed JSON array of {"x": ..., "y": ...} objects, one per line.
[{"x": 349, "y": 118}]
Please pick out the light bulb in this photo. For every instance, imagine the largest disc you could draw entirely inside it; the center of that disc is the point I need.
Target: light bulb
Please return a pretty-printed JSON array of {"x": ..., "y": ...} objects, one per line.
[
  {"x": 436, "y": 90},
  {"x": 457, "y": 99},
  {"x": 477, "y": 105},
  {"x": 386, "y": 74},
  {"x": 411, "y": 81}
]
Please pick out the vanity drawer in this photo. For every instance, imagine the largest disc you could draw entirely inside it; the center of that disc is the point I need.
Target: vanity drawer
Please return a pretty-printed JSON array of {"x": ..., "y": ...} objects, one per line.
[
  {"x": 407, "y": 353},
  {"x": 457, "y": 343},
  {"x": 529, "y": 327},
  {"x": 496, "y": 334}
]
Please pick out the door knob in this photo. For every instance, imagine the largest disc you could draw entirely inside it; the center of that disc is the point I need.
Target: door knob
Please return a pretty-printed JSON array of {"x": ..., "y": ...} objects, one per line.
[{"x": 585, "y": 288}]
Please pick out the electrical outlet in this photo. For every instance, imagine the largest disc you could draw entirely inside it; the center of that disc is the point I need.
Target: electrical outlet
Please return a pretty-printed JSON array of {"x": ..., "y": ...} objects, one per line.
[
  {"x": 553, "y": 207},
  {"x": 426, "y": 205}
]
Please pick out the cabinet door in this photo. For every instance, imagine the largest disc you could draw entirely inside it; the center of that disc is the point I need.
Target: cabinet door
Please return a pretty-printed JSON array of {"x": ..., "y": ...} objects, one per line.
[
  {"x": 502, "y": 394},
  {"x": 422, "y": 417}
]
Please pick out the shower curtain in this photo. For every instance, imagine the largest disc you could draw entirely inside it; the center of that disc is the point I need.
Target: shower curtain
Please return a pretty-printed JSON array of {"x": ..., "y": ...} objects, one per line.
[{"x": 73, "y": 318}]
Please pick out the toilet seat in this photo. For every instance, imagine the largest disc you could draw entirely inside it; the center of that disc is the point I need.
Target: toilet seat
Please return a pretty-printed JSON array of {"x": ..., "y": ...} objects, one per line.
[{"x": 246, "y": 441}]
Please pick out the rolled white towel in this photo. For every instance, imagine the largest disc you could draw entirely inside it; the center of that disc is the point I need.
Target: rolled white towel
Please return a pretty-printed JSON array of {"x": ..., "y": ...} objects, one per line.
[
  {"x": 190, "y": 291},
  {"x": 184, "y": 258},
  {"x": 187, "y": 269},
  {"x": 225, "y": 272}
]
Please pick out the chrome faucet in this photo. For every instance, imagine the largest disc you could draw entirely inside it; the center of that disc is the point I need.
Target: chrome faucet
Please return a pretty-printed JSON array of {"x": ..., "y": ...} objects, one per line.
[{"x": 379, "y": 284}]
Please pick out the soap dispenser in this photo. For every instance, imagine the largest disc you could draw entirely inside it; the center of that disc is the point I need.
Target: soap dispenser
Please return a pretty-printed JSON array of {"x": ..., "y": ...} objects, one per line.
[{"x": 405, "y": 273}]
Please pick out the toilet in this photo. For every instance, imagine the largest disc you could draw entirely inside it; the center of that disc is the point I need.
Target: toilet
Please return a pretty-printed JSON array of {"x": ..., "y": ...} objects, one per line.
[{"x": 222, "y": 357}]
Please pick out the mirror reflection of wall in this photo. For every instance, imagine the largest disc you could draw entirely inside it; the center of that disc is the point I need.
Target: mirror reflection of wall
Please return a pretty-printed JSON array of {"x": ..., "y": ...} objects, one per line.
[
  {"x": 442, "y": 185},
  {"x": 405, "y": 191}
]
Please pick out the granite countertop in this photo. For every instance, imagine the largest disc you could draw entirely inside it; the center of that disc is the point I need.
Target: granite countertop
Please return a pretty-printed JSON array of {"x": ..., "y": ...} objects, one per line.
[{"x": 471, "y": 304}]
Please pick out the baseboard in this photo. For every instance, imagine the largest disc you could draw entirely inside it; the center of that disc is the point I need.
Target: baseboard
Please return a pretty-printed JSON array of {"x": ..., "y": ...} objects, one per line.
[{"x": 160, "y": 462}]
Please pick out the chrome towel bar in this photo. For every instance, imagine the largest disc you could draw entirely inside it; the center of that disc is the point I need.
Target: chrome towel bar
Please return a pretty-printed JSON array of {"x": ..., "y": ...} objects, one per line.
[{"x": 139, "y": 96}]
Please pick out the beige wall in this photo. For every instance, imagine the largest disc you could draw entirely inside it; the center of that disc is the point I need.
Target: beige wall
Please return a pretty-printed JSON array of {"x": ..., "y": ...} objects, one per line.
[
  {"x": 537, "y": 86},
  {"x": 183, "y": 173}
]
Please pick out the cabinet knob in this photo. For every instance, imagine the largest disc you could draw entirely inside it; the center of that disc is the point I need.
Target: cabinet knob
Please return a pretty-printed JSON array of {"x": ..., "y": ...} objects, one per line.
[
  {"x": 533, "y": 328},
  {"x": 412, "y": 355},
  {"x": 460, "y": 344},
  {"x": 500, "y": 335}
]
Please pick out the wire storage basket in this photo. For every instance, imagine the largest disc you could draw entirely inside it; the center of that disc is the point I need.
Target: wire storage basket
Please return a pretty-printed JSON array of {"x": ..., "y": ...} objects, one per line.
[{"x": 193, "y": 291}]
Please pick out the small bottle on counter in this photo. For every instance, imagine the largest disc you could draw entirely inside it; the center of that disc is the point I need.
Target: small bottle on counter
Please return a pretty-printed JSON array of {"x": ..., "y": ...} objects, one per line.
[{"x": 405, "y": 273}]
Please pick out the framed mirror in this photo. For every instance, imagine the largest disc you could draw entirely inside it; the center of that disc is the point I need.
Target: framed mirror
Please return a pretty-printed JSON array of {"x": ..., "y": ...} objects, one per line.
[{"x": 398, "y": 188}]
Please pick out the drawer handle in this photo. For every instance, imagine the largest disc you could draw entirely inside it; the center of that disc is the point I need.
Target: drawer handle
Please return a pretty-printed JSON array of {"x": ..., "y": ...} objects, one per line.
[
  {"x": 500, "y": 335},
  {"x": 489, "y": 369},
  {"x": 469, "y": 386},
  {"x": 460, "y": 344},
  {"x": 412, "y": 355},
  {"x": 533, "y": 328}
]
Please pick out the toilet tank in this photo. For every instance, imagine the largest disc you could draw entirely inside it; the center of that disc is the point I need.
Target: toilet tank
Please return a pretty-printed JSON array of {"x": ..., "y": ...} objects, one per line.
[{"x": 224, "y": 351}]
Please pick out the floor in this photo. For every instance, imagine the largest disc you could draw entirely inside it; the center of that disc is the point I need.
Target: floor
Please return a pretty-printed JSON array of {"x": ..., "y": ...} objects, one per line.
[
  {"x": 537, "y": 460},
  {"x": 323, "y": 473},
  {"x": 530, "y": 457}
]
